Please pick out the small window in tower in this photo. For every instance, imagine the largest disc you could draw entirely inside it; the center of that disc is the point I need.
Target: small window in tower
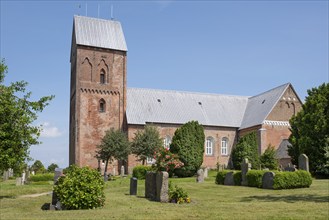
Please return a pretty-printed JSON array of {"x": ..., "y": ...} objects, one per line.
[
  {"x": 102, "y": 105},
  {"x": 102, "y": 77}
]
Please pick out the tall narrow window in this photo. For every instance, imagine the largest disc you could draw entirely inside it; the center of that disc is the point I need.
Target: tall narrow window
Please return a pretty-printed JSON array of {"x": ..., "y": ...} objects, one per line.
[
  {"x": 224, "y": 148},
  {"x": 209, "y": 146},
  {"x": 167, "y": 142},
  {"x": 102, "y": 105},
  {"x": 102, "y": 77}
]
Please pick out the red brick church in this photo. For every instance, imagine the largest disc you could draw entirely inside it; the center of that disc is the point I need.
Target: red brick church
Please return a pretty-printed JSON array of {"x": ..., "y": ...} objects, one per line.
[{"x": 100, "y": 100}]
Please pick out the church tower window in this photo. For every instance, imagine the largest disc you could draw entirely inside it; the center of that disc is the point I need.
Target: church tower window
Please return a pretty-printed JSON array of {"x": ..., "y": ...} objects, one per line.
[
  {"x": 102, "y": 77},
  {"x": 102, "y": 105}
]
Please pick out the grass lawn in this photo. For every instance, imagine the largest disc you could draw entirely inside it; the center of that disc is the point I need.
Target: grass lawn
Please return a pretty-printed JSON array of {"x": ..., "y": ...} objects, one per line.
[{"x": 209, "y": 201}]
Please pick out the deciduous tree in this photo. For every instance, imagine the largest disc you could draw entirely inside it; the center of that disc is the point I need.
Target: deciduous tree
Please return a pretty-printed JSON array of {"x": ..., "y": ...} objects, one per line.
[
  {"x": 310, "y": 131},
  {"x": 17, "y": 114}
]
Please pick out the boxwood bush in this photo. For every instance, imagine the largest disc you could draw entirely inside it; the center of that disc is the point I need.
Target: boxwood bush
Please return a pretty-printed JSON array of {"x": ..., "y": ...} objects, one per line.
[
  {"x": 42, "y": 177},
  {"x": 140, "y": 171},
  {"x": 291, "y": 180},
  {"x": 80, "y": 188},
  {"x": 254, "y": 178},
  {"x": 221, "y": 176}
]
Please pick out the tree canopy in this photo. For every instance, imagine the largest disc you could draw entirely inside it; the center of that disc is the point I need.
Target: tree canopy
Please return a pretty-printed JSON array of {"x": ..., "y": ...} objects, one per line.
[
  {"x": 247, "y": 147},
  {"x": 268, "y": 160},
  {"x": 114, "y": 146},
  {"x": 310, "y": 131},
  {"x": 188, "y": 144},
  {"x": 146, "y": 142},
  {"x": 38, "y": 167},
  {"x": 17, "y": 114},
  {"x": 52, "y": 167}
]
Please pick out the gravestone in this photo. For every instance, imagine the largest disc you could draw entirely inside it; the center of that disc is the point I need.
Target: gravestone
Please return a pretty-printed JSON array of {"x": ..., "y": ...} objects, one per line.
[
  {"x": 290, "y": 168},
  {"x": 229, "y": 180},
  {"x": 199, "y": 176},
  {"x": 150, "y": 185},
  {"x": 55, "y": 203},
  {"x": 10, "y": 172},
  {"x": 19, "y": 181},
  {"x": 133, "y": 186},
  {"x": 162, "y": 187},
  {"x": 245, "y": 167},
  {"x": 113, "y": 171},
  {"x": 268, "y": 180},
  {"x": 303, "y": 162},
  {"x": 122, "y": 171},
  {"x": 205, "y": 172},
  {"x": 23, "y": 178},
  {"x": 5, "y": 175}
]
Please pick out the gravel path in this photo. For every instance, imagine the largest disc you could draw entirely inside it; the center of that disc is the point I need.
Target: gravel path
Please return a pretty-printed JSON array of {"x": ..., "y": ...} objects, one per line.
[{"x": 36, "y": 195}]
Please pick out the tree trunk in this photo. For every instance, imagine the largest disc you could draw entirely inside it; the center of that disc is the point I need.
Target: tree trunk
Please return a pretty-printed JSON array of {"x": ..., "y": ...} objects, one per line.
[
  {"x": 105, "y": 170},
  {"x": 143, "y": 161}
]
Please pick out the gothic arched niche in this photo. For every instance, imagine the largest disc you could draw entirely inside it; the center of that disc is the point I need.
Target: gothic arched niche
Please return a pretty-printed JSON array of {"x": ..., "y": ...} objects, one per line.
[
  {"x": 103, "y": 67},
  {"x": 86, "y": 70}
]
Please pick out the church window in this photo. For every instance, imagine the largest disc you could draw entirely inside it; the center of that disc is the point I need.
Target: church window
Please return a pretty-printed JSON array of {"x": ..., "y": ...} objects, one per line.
[
  {"x": 102, "y": 77},
  {"x": 167, "y": 142},
  {"x": 224, "y": 147},
  {"x": 209, "y": 146},
  {"x": 102, "y": 105}
]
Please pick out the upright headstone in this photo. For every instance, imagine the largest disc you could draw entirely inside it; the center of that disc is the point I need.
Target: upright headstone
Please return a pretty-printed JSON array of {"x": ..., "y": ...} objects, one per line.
[
  {"x": 150, "y": 185},
  {"x": 23, "y": 178},
  {"x": 113, "y": 171},
  {"x": 133, "y": 186},
  {"x": 245, "y": 167},
  {"x": 303, "y": 162},
  {"x": 10, "y": 172},
  {"x": 205, "y": 172},
  {"x": 55, "y": 203},
  {"x": 268, "y": 180},
  {"x": 199, "y": 176},
  {"x": 122, "y": 171},
  {"x": 162, "y": 187},
  {"x": 5, "y": 175},
  {"x": 229, "y": 180},
  {"x": 19, "y": 181}
]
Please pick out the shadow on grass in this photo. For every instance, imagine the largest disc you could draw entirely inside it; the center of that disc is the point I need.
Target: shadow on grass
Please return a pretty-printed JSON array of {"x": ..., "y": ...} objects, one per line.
[
  {"x": 290, "y": 199},
  {"x": 45, "y": 206},
  {"x": 7, "y": 197}
]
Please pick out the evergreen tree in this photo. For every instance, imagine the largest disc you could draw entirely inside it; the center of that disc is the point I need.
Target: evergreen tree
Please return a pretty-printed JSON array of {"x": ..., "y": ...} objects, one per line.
[
  {"x": 268, "y": 159},
  {"x": 188, "y": 144}
]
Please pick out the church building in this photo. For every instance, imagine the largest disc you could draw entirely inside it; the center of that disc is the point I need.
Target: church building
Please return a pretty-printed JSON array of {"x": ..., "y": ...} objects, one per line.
[{"x": 100, "y": 100}]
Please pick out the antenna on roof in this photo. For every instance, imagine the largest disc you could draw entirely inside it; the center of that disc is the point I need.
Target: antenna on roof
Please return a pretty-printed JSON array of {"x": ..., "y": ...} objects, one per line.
[
  {"x": 79, "y": 6},
  {"x": 86, "y": 9},
  {"x": 98, "y": 11},
  {"x": 112, "y": 12}
]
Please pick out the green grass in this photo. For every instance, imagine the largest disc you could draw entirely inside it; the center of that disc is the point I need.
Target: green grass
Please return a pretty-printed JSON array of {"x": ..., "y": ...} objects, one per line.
[{"x": 209, "y": 201}]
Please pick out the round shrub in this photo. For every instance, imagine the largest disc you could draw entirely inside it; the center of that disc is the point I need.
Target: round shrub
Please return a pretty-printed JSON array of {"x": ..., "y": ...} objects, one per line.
[
  {"x": 140, "y": 171},
  {"x": 221, "y": 176},
  {"x": 80, "y": 188}
]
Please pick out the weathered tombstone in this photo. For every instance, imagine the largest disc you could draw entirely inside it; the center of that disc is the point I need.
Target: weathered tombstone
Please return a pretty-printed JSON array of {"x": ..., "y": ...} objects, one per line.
[
  {"x": 162, "y": 187},
  {"x": 133, "y": 186},
  {"x": 205, "y": 172},
  {"x": 199, "y": 176},
  {"x": 113, "y": 171},
  {"x": 268, "y": 180},
  {"x": 150, "y": 185},
  {"x": 5, "y": 175},
  {"x": 245, "y": 167},
  {"x": 55, "y": 204},
  {"x": 19, "y": 181},
  {"x": 122, "y": 171},
  {"x": 23, "y": 178},
  {"x": 290, "y": 168},
  {"x": 10, "y": 172},
  {"x": 229, "y": 180},
  {"x": 303, "y": 162}
]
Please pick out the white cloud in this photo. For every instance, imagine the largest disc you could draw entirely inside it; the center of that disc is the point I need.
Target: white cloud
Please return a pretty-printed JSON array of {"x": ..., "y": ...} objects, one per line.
[{"x": 49, "y": 131}]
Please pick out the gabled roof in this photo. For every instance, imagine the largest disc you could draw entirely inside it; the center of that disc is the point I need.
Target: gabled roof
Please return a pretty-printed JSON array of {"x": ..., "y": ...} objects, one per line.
[
  {"x": 260, "y": 106},
  {"x": 175, "y": 107},
  {"x": 98, "y": 33}
]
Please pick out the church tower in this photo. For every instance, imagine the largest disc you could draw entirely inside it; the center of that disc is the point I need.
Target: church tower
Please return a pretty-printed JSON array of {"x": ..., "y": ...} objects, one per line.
[{"x": 98, "y": 85}]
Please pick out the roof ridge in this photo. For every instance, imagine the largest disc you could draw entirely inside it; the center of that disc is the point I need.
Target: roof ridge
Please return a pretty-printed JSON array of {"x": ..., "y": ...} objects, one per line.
[
  {"x": 99, "y": 19},
  {"x": 189, "y": 92},
  {"x": 268, "y": 91}
]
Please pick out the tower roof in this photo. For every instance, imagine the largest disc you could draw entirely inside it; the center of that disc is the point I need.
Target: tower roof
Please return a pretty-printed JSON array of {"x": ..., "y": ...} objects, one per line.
[{"x": 96, "y": 32}]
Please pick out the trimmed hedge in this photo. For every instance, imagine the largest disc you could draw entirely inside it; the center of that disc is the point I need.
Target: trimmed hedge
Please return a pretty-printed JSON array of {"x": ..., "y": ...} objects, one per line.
[
  {"x": 254, "y": 177},
  {"x": 237, "y": 177},
  {"x": 291, "y": 180},
  {"x": 221, "y": 176},
  {"x": 140, "y": 171},
  {"x": 42, "y": 177}
]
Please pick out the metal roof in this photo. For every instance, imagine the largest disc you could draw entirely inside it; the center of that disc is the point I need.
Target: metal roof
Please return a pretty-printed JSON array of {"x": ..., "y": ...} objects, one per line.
[
  {"x": 99, "y": 33},
  {"x": 260, "y": 106},
  {"x": 176, "y": 107}
]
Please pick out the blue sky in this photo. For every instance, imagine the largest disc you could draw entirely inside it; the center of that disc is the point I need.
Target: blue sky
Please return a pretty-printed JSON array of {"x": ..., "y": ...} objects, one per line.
[{"x": 225, "y": 47}]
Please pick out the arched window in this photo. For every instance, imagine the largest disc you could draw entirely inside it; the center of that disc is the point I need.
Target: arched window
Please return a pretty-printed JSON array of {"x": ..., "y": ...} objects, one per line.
[
  {"x": 224, "y": 146},
  {"x": 167, "y": 142},
  {"x": 102, "y": 77},
  {"x": 102, "y": 105},
  {"x": 209, "y": 146}
]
